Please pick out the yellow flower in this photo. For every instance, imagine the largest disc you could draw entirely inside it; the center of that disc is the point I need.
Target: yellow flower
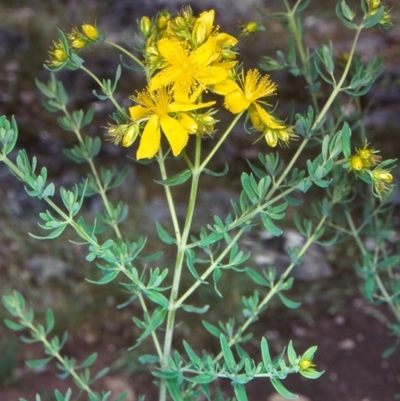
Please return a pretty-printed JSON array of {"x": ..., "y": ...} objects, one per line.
[
  {"x": 364, "y": 158},
  {"x": 249, "y": 28},
  {"x": 161, "y": 113},
  {"x": 252, "y": 88},
  {"x": 203, "y": 27},
  {"x": 189, "y": 73},
  {"x": 57, "y": 56},
  {"x": 381, "y": 180},
  {"x": 90, "y": 32}
]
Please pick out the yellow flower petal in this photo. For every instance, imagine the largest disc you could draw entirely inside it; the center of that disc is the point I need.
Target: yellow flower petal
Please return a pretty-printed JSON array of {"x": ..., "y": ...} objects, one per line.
[
  {"x": 223, "y": 39},
  {"x": 207, "y": 17},
  {"x": 226, "y": 87},
  {"x": 150, "y": 140},
  {"x": 138, "y": 112},
  {"x": 267, "y": 118},
  {"x": 236, "y": 102},
  {"x": 176, "y": 107},
  {"x": 164, "y": 78},
  {"x": 212, "y": 75},
  {"x": 188, "y": 123},
  {"x": 205, "y": 53},
  {"x": 176, "y": 134},
  {"x": 172, "y": 51}
]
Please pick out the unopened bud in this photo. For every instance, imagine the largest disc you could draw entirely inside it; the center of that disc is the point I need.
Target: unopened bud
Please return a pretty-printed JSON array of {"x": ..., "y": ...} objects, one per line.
[
  {"x": 145, "y": 26},
  {"x": 90, "y": 32}
]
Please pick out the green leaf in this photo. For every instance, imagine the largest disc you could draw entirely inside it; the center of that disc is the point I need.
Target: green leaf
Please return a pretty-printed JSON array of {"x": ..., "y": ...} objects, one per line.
[
  {"x": 283, "y": 391},
  {"x": 270, "y": 226},
  {"x": 164, "y": 236},
  {"x": 240, "y": 392},
  {"x": 56, "y": 233},
  {"x": 106, "y": 278},
  {"x": 49, "y": 321},
  {"x": 214, "y": 174},
  {"x": 257, "y": 277},
  {"x": 213, "y": 330},
  {"x": 196, "y": 361},
  {"x": 289, "y": 303},
  {"x": 157, "y": 298},
  {"x": 374, "y": 19},
  {"x": 89, "y": 360},
  {"x": 195, "y": 309},
  {"x": 38, "y": 363},
  {"x": 291, "y": 353},
  {"x": 176, "y": 179},
  {"x": 227, "y": 353},
  {"x": 266, "y": 358},
  {"x": 173, "y": 389},
  {"x": 312, "y": 374},
  {"x": 13, "y": 326},
  {"x": 156, "y": 320},
  {"x": 201, "y": 379},
  {"x": 346, "y": 134}
]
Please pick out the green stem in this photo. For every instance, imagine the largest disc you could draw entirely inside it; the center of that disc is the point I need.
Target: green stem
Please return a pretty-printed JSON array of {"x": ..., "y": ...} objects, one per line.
[
  {"x": 109, "y": 95},
  {"x": 274, "y": 290},
  {"x": 161, "y": 162},
  {"x": 130, "y": 55},
  {"x": 48, "y": 346},
  {"x": 181, "y": 247},
  {"x": 99, "y": 184},
  {"x": 291, "y": 15},
  {"x": 337, "y": 88},
  {"x": 220, "y": 142},
  {"x": 355, "y": 234}
]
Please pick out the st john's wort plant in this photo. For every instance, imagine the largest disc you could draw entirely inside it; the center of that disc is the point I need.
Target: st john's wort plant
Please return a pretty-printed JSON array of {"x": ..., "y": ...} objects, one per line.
[{"x": 189, "y": 63}]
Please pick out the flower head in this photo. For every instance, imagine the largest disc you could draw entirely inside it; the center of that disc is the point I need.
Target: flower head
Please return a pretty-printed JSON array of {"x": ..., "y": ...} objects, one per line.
[
  {"x": 381, "y": 181},
  {"x": 160, "y": 113},
  {"x": 189, "y": 72},
  {"x": 364, "y": 158},
  {"x": 250, "y": 28},
  {"x": 58, "y": 56},
  {"x": 90, "y": 32},
  {"x": 249, "y": 91}
]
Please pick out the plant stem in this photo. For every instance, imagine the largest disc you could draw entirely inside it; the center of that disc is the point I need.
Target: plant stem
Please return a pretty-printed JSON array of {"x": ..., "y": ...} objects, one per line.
[
  {"x": 274, "y": 290},
  {"x": 181, "y": 247},
  {"x": 109, "y": 95},
  {"x": 130, "y": 55}
]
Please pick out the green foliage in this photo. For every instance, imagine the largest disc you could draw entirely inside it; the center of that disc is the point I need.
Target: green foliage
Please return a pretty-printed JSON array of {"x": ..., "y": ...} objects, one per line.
[{"x": 269, "y": 192}]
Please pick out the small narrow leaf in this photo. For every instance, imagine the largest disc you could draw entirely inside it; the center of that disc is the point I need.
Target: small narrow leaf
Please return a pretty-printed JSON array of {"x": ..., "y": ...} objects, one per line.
[
  {"x": 176, "y": 179},
  {"x": 282, "y": 390},
  {"x": 240, "y": 392},
  {"x": 265, "y": 352},
  {"x": 227, "y": 353}
]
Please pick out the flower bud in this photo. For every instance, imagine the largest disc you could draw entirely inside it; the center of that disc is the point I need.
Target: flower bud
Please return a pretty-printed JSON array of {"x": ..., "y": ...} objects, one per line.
[
  {"x": 162, "y": 21},
  {"x": 188, "y": 122},
  {"x": 90, "y": 32},
  {"x": 199, "y": 33},
  {"x": 356, "y": 163},
  {"x": 271, "y": 138},
  {"x": 79, "y": 43},
  {"x": 130, "y": 134},
  {"x": 145, "y": 26},
  {"x": 60, "y": 55}
]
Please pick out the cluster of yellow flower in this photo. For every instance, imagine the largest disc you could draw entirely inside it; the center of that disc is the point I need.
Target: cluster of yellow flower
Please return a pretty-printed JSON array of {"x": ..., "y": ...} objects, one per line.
[
  {"x": 363, "y": 161},
  {"x": 185, "y": 57},
  {"x": 58, "y": 55}
]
